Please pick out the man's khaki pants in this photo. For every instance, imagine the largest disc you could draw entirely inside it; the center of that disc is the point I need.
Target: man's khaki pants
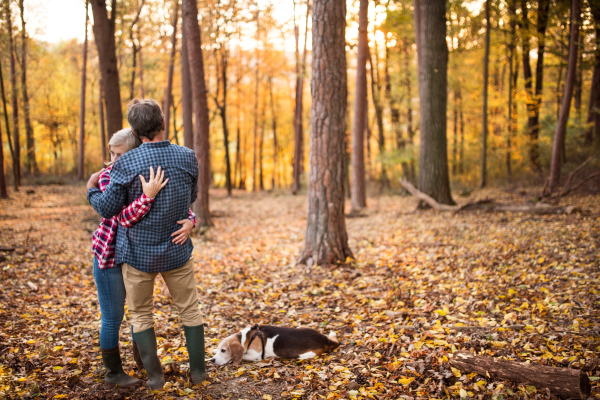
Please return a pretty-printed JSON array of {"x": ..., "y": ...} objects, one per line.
[{"x": 140, "y": 289}]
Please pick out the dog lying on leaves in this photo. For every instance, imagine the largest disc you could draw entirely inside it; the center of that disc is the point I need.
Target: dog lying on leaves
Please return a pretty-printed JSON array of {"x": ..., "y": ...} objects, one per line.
[{"x": 260, "y": 342}]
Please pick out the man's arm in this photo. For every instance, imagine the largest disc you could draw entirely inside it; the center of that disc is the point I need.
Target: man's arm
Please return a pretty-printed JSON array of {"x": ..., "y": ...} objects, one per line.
[{"x": 110, "y": 202}]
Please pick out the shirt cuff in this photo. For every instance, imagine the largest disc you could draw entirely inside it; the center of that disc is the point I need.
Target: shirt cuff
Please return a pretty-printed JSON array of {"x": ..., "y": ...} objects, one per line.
[
  {"x": 146, "y": 200},
  {"x": 91, "y": 192}
]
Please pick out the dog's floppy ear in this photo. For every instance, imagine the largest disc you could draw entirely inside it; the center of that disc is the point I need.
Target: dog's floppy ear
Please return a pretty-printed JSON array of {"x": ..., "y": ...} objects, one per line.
[{"x": 237, "y": 352}]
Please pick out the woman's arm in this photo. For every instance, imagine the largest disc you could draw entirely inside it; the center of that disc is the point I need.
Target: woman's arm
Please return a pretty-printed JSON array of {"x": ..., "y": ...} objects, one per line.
[{"x": 192, "y": 217}]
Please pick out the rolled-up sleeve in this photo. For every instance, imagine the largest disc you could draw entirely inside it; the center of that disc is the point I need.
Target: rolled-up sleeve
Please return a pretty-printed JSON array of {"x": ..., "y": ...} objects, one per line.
[{"x": 110, "y": 202}]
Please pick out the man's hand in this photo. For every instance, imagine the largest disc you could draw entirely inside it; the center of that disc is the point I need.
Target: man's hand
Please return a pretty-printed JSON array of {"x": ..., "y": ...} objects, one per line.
[
  {"x": 154, "y": 184},
  {"x": 93, "y": 182},
  {"x": 182, "y": 234}
]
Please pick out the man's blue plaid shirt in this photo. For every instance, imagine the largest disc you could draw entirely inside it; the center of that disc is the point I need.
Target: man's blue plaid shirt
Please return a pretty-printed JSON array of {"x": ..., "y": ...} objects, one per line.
[{"x": 148, "y": 245}]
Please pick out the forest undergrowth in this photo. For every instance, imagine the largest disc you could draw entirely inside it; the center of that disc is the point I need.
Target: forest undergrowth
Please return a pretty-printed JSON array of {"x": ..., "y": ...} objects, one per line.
[{"x": 397, "y": 307}]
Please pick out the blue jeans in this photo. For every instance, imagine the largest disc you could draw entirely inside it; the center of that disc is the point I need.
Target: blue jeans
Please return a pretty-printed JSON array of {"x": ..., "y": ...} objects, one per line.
[{"x": 111, "y": 296}]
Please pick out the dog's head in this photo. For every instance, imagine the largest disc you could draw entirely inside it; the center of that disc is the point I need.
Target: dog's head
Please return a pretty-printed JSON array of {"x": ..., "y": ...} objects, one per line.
[{"x": 230, "y": 349}]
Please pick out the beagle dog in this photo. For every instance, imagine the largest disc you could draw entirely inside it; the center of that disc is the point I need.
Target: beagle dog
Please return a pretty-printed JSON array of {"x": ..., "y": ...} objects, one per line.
[{"x": 259, "y": 342}]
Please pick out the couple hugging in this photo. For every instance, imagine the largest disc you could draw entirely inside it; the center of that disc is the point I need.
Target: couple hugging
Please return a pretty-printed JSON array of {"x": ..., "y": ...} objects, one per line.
[{"x": 145, "y": 231}]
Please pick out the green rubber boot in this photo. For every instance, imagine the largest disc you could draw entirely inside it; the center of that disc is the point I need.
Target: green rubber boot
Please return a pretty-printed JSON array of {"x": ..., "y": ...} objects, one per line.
[
  {"x": 114, "y": 369},
  {"x": 146, "y": 344},
  {"x": 194, "y": 337}
]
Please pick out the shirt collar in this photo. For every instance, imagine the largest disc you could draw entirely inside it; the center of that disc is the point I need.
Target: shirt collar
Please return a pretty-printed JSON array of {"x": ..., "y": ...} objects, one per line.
[{"x": 164, "y": 143}]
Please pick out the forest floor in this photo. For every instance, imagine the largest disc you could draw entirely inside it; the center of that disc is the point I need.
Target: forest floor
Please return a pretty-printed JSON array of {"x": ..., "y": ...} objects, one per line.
[{"x": 433, "y": 270}]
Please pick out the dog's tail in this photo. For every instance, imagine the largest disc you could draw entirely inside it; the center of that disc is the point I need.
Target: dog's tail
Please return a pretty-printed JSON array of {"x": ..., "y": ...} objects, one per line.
[{"x": 333, "y": 341}]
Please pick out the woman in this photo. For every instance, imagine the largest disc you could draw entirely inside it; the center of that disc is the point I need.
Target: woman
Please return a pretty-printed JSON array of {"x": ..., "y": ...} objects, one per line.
[{"x": 107, "y": 274}]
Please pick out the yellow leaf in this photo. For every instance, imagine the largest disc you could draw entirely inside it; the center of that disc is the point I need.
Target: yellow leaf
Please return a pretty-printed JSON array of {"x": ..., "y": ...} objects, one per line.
[
  {"x": 406, "y": 382},
  {"x": 418, "y": 345},
  {"x": 21, "y": 379},
  {"x": 541, "y": 260},
  {"x": 456, "y": 372},
  {"x": 59, "y": 396},
  {"x": 57, "y": 348},
  {"x": 441, "y": 313},
  {"x": 31, "y": 341},
  {"x": 267, "y": 397}
]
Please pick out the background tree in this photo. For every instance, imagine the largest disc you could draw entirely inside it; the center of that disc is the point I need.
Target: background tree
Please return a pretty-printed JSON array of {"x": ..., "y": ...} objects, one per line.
[
  {"x": 30, "y": 161},
  {"x": 561, "y": 128},
  {"x": 80, "y": 165},
  {"x": 433, "y": 66},
  {"x": 168, "y": 90},
  {"x": 593, "y": 119},
  {"x": 326, "y": 239},
  {"x": 186, "y": 95},
  {"x": 201, "y": 140},
  {"x": 484, "y": 127},
  {"x": 104, "y": 36},
  {"x": 14, "y": 97},
  {"x": 3, "y": 190},
  {"x": 358, "y": 187}
]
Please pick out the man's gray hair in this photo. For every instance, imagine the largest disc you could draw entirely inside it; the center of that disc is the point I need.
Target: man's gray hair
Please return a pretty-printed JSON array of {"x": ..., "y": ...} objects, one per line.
[{"x": 145, "y": 117}]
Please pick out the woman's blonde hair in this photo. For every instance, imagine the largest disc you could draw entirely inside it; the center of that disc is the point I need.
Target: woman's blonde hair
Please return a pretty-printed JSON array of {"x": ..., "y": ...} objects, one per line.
[{"x": 123, "y": 138}]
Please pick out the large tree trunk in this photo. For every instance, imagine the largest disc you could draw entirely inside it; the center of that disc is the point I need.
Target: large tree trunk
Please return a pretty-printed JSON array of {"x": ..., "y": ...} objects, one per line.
[
  {"x": 104, "y": 35},
  {"x": 3, "y": 190},
  {"x": 561, "y": 128},
  {"x": 593, "y": 118},
  {"x": 358, "y": 189},
  {"x": 14, "y": 99},
  {"x": 433, "y": 79},
  {"x": 80, "y": 169},
  {"x": 186, "y": 95},
  {"x": 168, "y": 96},
  {"x": 484, "y": 127},
  {"x": 30, "y": 161},
  {"x": 10, "y": 146},
  {"x": 512, "y": 74},
  {"x": 102, "y": 125},
  {"x": 201, "y": 142},
  {"x": 326, "y": 239}
]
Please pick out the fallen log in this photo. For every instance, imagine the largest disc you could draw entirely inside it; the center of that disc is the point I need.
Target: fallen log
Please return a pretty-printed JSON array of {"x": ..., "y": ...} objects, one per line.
[
  {"x": 569, "y": 383},
  {"x": 489, "y": 205},
  {"x": 7, "y": 249}
]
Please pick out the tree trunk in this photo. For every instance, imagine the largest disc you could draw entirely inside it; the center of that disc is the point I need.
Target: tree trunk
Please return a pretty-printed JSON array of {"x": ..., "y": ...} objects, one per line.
[
  {"x": 484, "y": 127},
  {"x": 593, "y": 117},
  {"x": 511, "y": 87},
  {"x": 186, "y": 95},
  {"x": 30, "y": 161},
  {"x": 375, "y": 94},
  {"x": 168, "y": 96},
  {"x": 102, "y": 127},
  {"x": 104, "y": 35},
  {"x": 10, "y": 146},
  {"x": 564, "y": 382},
  {"x": 274, "y": 127},
  {"x": 433, "y": 67},
  {"x": 326, "y": 239},
  {"x": 140, "y": 55},
  {"x": 461, "y": 154},
  {"x": 223, "y": 112},
  {"x": 3, "y": 190},
  {"x": 358, "y": 188},
  {"x": 80, "y": 170},
  {"x": 136, "y": 49},
  {"x": 455, "y": 126},
  {"x": 298, "y": 111},
  {"x": 561, "y": 128},
  {"x": 14, "y": 99},
  {"x": 201, "y": 141},
  {"x": 256, "y": 79},
  {"x": 261, "y": 182}
]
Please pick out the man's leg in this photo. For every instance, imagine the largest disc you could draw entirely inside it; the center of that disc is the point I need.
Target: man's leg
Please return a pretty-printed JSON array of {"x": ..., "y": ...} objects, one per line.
[
  {"x": 111, "y": 296},
  {"x": 182, "y": 286},
  {"x": 140, "y": 290}
]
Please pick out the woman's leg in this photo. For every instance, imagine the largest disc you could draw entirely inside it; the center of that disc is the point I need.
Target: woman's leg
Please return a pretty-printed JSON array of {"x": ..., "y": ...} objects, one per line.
[{"x": 111, "y": 297}]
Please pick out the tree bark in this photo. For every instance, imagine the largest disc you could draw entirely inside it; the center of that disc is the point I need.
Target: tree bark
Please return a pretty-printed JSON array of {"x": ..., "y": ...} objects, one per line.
[
  {"x": 484, "y": 127},
  {"x": 102, "y": 125},
  {"x": 80, "y": 169},
  {"x": 455, "y": 142},
  {"x": 568, "y": 383},
  {"x": 274, "y": 127},
  {"x": 561, "y": 128},
  {"x": 104, "y": 35},
  {"x": 326, "y": 239},
  {"x": 593, "y": 118},
  {"x": 14, "y": 99},
  {"x": 141, "y": 56},
  {"x": 3, "y": 190},
  {"x": 223, "y": 112},
  {"x": 511, "y": 87},
  {"x": 433, "y": 66},
  {"x": 10, "y": 146},
  {"x": 186, "y": 95},
  {"x": 134, "y": 55},
  {"x": 168, "y": 91},
  {"x": 358, "y": 189},
  {"x": 201, "y": 141},
  {"x": 255, "y": 143},
  {"x": 375, "y": 94},
  {"x": 30, "y": 161}
]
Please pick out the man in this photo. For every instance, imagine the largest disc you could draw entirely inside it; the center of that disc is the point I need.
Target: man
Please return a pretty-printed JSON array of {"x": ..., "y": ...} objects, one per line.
[{"x": 147, "y": 249}]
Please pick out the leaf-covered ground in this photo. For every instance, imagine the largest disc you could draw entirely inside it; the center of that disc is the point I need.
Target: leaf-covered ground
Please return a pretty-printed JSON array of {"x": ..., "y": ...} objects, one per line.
[{"x": 421, "y": 269}]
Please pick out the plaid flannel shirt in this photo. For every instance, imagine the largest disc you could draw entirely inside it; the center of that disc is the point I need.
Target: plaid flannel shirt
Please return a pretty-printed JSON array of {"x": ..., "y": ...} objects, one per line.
[
  {"x": 148, "y": 246},
  {"x": 103, "y": 241}
]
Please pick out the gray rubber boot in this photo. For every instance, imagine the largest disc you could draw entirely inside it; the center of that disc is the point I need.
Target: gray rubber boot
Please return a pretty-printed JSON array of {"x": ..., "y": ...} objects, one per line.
[
  {"x": 136, "y": 357},
  {"x": 114, "y": 369},
  {"x": 146, "y": 344},
  {"x": 194, "y": 337}
]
